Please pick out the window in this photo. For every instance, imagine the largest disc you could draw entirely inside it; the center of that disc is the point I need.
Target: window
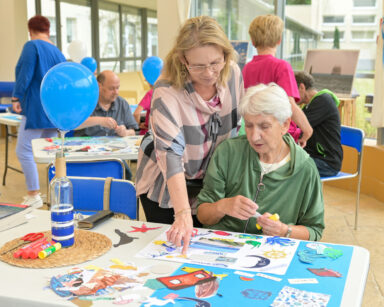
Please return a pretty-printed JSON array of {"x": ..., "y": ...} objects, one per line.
[
  {"x": 109, "y": 30},
  {"x": 48, "y": 10},
  {"x": 333, "y": 19},
  {"x": 363, "y": 35},
  {"x": 31, "y": 8},
  {"x": 75, "y": 26},
  {"x": 71, "y": 29},
  {"x": 52, "y": 30},
  {"x": 153, "y": 42},
  {"x": 131, "y": 25},
  {"x": 329, "y": 35},
  {"x": 363, "y": 19},
  {"x": 364, "y": 3}
]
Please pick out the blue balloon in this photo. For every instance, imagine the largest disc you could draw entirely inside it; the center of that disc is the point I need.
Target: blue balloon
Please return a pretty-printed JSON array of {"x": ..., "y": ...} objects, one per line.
[
  {"x": 90, "y": 63},
  {"x": 69, "y": 94},
  {"x": 152, "y": 67}
]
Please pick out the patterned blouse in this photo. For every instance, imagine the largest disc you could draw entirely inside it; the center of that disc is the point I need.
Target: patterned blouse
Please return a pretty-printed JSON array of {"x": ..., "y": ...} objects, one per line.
[{"x": 180, "y": 137}]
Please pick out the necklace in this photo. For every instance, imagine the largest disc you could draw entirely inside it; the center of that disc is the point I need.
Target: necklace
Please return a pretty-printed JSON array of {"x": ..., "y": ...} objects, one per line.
[{"x": 261, "y": 186}]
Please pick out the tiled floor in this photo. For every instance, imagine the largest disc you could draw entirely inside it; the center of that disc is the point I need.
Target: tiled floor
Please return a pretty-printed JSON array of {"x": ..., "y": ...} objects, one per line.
[{"x": 339, "y": 218}]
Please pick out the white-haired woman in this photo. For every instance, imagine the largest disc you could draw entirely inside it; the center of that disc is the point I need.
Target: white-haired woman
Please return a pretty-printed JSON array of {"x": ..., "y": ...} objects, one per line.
[{"x": 264, "y": 171}]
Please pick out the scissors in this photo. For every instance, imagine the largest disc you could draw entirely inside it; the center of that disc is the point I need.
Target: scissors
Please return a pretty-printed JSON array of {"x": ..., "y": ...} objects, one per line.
[{"x": 29, "y": 237}]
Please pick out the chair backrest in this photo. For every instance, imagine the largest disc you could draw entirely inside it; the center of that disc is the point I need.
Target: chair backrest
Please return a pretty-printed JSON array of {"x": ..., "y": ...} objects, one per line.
[
  {"x": 101, "y": 168},
  {"x": 6, "y": 89},
  {"x": 352, "y": 137},
  {"x": 88, "y": 195}
]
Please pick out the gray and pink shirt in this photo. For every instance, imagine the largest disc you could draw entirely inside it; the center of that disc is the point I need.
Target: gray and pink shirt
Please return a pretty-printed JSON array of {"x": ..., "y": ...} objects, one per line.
[{"x": 180, "y": 135}]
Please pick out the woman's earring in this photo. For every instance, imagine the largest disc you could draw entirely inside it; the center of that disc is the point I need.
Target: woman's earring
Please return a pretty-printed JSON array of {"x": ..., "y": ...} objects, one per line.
[{"x": 183, "y": 71}]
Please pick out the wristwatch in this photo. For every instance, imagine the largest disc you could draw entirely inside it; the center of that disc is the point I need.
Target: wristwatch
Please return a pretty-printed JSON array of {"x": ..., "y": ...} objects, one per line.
[
  {"x": 288, "y": 234},
  {"x": 15, "y": 100}
]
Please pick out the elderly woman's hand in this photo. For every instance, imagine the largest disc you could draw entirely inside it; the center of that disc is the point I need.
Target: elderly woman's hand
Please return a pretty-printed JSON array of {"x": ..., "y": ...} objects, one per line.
[
  {"x": 271, "y": 227},
  {"x": 239, "y": 206},
  {"x": 181, "y": 230}
]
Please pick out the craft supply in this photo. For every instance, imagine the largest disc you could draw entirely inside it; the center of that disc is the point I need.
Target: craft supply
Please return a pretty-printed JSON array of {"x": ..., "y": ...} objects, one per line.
[
  {"x": 186, "y": 280},
  {"x": 294, "y": 297},
  {"x": 24, "y": 251},
  {"x": 50, "y": 250},
  {"x": 298, "y": 281},
  {"x": 32, "y": 253},
  {"x": 161, "y": 269},
  {"x": 62, "y": 223},
  {"x": 228, "y": 251},
  {"x": 89, "y": 245},
  {"x": 324, "y": 272},
  {"x": 268, "y": 277},
  {"x": 143, "y": 228},
  {"x": 244, "y": 274},
  {"x": 273, "y": 217},
  {"x": 30, "y": 237},
  {"x": 95, "y": 219}
]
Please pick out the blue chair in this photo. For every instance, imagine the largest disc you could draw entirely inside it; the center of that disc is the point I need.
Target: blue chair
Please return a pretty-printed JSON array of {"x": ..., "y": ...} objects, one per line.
[
  {"x": 101, "y": 168},
  {"x": 5, "y": 108},
  {"x": 88, "y": 195},
  {"x": 354, "y": 138},
  {"x": 6, "y": 89}
]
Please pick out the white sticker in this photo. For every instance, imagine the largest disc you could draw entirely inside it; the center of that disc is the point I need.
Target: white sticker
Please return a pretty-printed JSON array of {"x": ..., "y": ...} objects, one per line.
[
  {"x": 244, "y": 274},
  {"x": 297, "y": 281},
  {"x": 268, "y": 277}
]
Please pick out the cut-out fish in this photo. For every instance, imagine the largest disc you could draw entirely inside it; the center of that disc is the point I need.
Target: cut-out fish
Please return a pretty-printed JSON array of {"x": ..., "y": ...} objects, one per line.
[{"x": 220, "y": 233}]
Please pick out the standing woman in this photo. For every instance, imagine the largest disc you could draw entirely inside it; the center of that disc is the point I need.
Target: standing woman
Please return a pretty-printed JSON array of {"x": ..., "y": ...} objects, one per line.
[
  {"x": 194, "y": 108},
  {"x": 37, "y": 57}
]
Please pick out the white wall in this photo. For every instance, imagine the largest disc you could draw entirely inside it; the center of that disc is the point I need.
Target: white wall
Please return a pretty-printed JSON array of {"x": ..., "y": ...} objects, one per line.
[
  {"x": 13, "y": 34},
  {"x": 171, "y": 14}
]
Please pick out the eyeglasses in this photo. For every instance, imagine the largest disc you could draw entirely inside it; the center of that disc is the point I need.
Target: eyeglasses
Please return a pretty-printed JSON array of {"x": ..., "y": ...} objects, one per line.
[{"x": 214, "y": 67}]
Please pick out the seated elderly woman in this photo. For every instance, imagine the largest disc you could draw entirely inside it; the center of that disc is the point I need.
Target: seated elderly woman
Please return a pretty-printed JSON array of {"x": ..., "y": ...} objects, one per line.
[{"x": 263, "y": 172}]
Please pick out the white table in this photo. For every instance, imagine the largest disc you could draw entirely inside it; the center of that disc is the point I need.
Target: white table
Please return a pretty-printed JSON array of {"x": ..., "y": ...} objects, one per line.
[
  {"x": 32, "y": 281},
  {"x": 126, "y": 148},
  {"x": 9, "y": 120}
]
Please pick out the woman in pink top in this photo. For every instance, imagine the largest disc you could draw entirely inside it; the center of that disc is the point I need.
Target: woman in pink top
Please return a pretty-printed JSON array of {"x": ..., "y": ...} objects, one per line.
[
  {"x": 144, "y": 105},
  {"x": 266, "y": 32}
]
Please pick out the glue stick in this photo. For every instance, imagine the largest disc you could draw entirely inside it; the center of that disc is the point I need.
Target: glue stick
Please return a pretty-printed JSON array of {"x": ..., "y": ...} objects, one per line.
[
  {"x": 273, "y": 217},
  {"x": 50, "y": 250}
]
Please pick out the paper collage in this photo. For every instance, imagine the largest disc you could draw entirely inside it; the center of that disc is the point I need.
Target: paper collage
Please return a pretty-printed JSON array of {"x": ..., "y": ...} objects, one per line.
[
  {"x": 228, "y": 250},
  {"x": 289, "y": 296},
  {"x": 93, "y": 144}
]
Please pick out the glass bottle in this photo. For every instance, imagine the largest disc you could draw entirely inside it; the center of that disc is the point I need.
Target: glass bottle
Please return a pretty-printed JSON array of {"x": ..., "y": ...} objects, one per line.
[{"x": 61, "y": 194}]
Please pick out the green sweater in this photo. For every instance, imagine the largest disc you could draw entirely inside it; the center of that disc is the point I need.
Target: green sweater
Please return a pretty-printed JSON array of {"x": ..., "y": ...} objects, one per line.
[{"x": 293, "y": 191}]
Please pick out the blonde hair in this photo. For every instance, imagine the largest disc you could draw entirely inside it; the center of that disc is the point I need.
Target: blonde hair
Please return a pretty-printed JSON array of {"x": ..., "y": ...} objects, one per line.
[
  {"x": 197, "y": 32},
  {"x": 266, "y": 30}
]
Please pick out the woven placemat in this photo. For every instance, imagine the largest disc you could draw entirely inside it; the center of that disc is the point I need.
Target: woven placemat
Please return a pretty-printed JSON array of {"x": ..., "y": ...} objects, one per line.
[{"x": 88, "y": 245}]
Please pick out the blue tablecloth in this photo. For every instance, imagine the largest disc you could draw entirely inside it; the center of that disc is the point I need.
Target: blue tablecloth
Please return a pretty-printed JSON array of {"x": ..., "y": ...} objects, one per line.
[{"x": 231, "y": 289}]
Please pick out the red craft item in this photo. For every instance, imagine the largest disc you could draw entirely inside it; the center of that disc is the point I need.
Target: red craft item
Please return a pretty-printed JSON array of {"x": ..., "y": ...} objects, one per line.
[
  {"x": 186, "y": 280},
  {"x": 325, "y": 272},
  {"x": 143, "y": 228}
]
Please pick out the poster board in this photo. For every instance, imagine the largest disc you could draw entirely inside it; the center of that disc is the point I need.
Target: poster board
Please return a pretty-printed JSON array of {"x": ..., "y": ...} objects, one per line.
[
  {"x": 230, "y": 250},
  {"x": 241, "y": 48},
  {"x": 333, "y": 69}
]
